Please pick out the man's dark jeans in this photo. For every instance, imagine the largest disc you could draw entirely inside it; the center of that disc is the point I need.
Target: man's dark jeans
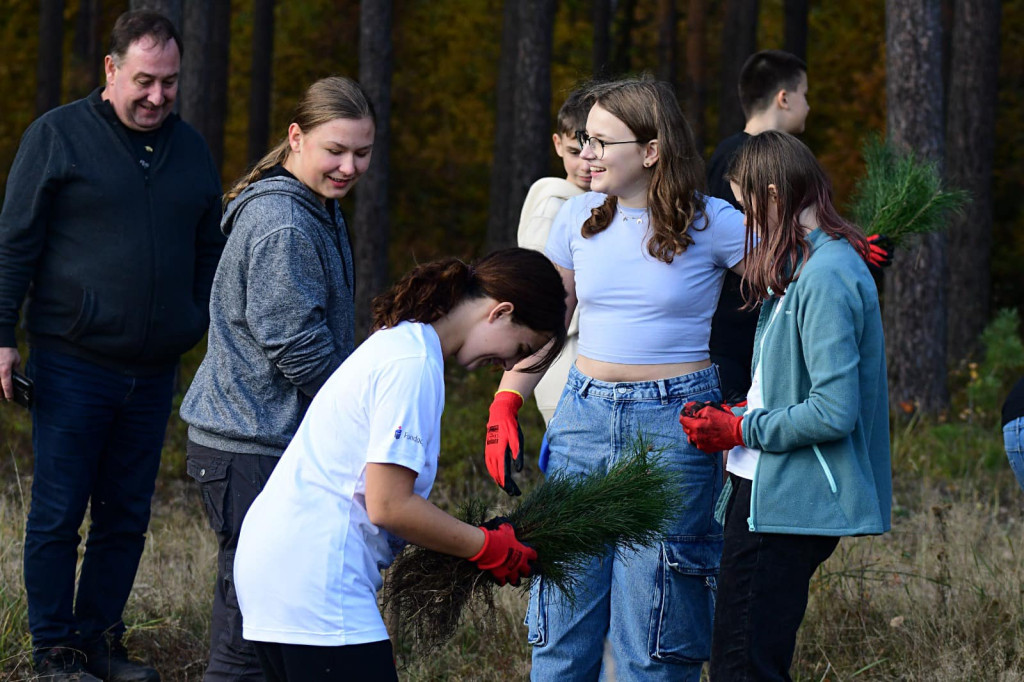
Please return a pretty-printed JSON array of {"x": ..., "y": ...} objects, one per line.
[
  {"x": 229, "y": 481},
  {"x": 97, "y": 436},
  {"x": 762, "y": 595}
]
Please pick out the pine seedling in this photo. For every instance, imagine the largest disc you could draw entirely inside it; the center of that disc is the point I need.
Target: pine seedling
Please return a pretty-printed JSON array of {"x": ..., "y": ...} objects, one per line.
[
  {"x": 901, "y": 195},
  {"x": 569, "y": 520}
]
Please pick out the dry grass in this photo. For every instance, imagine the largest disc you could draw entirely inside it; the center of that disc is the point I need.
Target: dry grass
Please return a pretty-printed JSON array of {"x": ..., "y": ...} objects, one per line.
[{"x": 938, "y": 599}]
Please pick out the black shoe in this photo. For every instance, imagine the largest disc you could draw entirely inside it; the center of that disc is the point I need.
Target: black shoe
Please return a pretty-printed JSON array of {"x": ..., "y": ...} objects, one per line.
[
  {"x": 61, "y": 664},
  {"x": 110, "y": 662}
]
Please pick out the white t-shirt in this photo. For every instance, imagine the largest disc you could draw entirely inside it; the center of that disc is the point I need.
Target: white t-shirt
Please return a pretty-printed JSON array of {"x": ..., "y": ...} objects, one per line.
[
  {"x": 635, "y": 309},
  {"x": 308, "y": 563},
  {"x": 742, "y": 460}
]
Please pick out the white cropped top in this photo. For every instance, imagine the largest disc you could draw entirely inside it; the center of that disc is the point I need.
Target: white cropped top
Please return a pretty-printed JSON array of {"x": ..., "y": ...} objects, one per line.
[{"x": 635, "y": 309}]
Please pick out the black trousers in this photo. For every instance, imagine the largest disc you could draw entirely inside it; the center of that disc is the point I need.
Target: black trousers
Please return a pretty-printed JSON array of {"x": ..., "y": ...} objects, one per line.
[
  {"x": 297, "y": 663},
  {"x": 229, "y": 481},
  {"x": 762, "y": 595}
]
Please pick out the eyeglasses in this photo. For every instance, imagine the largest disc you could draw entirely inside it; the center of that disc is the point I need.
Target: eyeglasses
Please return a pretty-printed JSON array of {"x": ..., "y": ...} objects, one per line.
[{"x": 597, "y": 146}]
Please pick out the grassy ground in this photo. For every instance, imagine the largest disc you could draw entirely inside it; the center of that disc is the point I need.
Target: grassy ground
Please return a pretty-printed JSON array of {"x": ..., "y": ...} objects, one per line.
[{"x": 939, "y": 598}]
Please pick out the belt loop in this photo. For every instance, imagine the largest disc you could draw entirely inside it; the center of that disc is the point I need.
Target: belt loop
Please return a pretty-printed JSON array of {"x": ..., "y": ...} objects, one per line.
[
  {"x": 582, "y": 390},
  {"x": 663, "y": 391}
]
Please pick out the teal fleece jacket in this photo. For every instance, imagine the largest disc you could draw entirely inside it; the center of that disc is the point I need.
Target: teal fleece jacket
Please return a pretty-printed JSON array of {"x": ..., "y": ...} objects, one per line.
[{"x": 824, "y": 467}]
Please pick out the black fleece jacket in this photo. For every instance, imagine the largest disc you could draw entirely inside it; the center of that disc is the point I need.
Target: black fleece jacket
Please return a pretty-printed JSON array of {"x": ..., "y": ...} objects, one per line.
[{"x": 120, "y": 251}]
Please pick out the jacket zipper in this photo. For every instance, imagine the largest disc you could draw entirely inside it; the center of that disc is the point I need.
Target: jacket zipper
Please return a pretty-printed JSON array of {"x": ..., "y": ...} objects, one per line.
[
  {"x": 760, "y": 351},
  {"x": 825, "y": 468}
]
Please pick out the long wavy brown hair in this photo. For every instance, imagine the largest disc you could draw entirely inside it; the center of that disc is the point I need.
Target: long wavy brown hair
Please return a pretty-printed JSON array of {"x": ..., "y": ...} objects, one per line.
[
  {"x": 326, "y": 100},
  {"x": 523, "y": 277},
  {"x": 774, "y": 256},
  {"x": 675, "y": 196}
]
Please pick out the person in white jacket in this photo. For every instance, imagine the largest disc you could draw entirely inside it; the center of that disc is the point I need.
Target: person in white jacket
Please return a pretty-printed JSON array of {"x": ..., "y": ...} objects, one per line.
[{"x": 544, "y": 199}]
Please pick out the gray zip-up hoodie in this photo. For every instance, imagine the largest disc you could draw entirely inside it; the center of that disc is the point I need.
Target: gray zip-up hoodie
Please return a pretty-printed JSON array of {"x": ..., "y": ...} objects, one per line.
[{"x": 281, "y": 319}]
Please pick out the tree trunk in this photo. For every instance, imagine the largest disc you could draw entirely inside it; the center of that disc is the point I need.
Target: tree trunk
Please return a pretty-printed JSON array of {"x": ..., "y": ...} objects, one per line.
[
  {"x": 739, "y": 41},
  {"x": 970, "y": 145},
  {"x": 85, "y": 50},
  {"x": 169, "y": 8},
  {"x": 49, "y": 64},
  {"x": 622, "y": 59},
  {"x": 915, "y": 287},
  {"x": 260, "y": 78},
  {"x": 370, "y": 225},
  {"x": 501, "y": 169},
  {"x": 697, "y": 68},
  {"x": 796, "y": 28},
  {"x": 532, "y": 97},
  {"x": 602, "y": 18},
  {"x": 666, "y": 21},
  {"x": 204, "y": 70}
]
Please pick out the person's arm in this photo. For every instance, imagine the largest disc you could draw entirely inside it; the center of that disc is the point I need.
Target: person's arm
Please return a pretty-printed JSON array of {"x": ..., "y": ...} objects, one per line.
[
  {"x": 392, "y": 505},
  {"x": 285, "y": 307},
  {"x": 524, "y": 382},
  {"x": 31, "y": 184},
  {"x": 209, "y": 245},
  {"x": 10, "y": 360},
  {"x": 830, "y": 318},
  {"x": 503, "y": 443}
]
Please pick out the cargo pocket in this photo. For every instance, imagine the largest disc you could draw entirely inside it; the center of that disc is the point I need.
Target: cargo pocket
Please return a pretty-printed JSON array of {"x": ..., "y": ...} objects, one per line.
[
  {"x": 210, "y": 471},
  {"x": 684, "y": 599},
  {"x": 536, "y": 614}
]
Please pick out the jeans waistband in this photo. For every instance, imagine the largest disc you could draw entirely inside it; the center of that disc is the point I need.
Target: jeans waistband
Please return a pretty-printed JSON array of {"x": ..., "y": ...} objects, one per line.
[{"x": 659, "y": 389}]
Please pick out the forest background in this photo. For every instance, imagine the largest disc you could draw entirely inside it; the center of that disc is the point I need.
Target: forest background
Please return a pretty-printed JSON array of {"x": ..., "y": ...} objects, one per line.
[{"x": 940, "y": 597}]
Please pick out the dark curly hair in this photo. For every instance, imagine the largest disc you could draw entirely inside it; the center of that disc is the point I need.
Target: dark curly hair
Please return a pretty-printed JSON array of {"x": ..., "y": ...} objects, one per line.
[{"x": 523, "y": 277}]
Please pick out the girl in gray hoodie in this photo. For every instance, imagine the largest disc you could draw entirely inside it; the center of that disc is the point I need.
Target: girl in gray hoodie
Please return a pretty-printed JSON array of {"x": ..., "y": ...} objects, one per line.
[{"x": 281, "y": 322}]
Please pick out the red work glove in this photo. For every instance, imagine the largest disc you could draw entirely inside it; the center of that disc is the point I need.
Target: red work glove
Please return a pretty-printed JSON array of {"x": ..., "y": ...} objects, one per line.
[
  {"x": 879, "y": 253},
  {"x": 504, "y": 445},
  {"x": 711, "y": 427},
  {"x": 506, "y": 558}
]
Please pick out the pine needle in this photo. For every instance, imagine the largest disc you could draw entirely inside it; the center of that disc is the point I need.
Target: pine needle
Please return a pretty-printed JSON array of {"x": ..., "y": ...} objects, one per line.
[
  {"x": 569, "y": 520},
  {"x": 900, "y": 194}
]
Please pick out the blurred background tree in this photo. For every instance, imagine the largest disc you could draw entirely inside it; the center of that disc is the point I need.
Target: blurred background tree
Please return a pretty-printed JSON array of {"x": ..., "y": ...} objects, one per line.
[{"x": 454, "y": 173}]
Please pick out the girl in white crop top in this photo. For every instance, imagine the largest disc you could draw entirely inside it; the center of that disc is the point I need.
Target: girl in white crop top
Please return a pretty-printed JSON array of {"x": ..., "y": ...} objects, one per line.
[{"x": 643, "y": 257}]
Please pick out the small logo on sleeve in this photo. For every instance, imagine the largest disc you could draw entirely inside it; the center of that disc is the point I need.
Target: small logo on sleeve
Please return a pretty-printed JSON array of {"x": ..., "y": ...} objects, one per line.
[{"x": 400, "y": 434}]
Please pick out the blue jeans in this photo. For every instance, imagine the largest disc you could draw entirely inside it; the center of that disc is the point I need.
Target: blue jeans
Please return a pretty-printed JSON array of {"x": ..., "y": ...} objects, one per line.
[
  {"x": 655, "y": 605},
  {"x": 97, "y": 436},
  {"x": 1013, "y": 441}
]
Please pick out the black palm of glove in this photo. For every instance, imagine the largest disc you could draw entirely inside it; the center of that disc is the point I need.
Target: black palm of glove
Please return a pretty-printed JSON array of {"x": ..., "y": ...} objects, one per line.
[{"x": 880, "y": 252}]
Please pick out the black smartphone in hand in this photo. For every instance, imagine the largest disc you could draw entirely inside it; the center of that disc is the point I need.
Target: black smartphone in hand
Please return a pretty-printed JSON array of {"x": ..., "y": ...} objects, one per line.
[{"x": 22, "y": 390}]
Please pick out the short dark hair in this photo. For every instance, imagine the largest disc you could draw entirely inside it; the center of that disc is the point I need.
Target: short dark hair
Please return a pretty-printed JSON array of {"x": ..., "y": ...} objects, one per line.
[
  {"x": 572, "y": 116},
  {"x": 764, "y": 74},
  {"x": 136, "y": 24}
]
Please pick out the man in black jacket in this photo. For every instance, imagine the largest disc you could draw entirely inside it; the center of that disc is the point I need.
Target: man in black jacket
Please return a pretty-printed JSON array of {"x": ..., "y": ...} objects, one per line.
[
  {"x": 110, "y": 225},
  {"x": 773, "y": 93}
]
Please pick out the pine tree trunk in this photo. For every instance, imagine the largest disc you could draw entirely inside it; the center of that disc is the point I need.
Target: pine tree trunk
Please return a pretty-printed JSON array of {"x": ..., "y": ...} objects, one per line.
[
  {"x": 532, "y": 95},
  {"x": 169, "y": 8},
  {"x": 85, "y": 50},
  {"x": 739, "y": 41},
  {"x": 204, "y": 70},
  {"x": 261, "y": 76},
  {"x": 697, "y": 68},
  {"x": 49, "y": 64},
  {"x": 602, "y": 50},
  {"x": 795, "y": 40},
  {"x": 666, "y": 21},
  {"x": 915, "y": 287},
  {"x": 970, "y": 145},
  {"x": 622, "y": 58},
  {"x": 501, "y": 168},
  {"x": 370, "y": 225}
]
